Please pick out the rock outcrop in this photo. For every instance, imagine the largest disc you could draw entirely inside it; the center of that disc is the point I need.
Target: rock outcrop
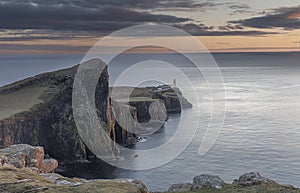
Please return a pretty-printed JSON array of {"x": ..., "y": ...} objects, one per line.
[
  {"x": 171, "y": 96},
  {"x": 144, "y": 110},
  {"x": 22, "y": 164},
  {"x": 38, "y": 111},
  {"x": 161, "y": 100},
  {"x": 248, "y": 182},
  {"x": 180, "y": 187},
  {"x": 252, "y": 178},
  {"x": 26, "y": 156},
  {"x": 207, "y": 181},
  {"x": 204, "y": 181}
]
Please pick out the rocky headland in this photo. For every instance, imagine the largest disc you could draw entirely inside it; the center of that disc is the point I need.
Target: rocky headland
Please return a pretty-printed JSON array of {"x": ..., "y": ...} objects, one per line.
[
  {"x": 37, "y": 132},
  {"x": 38, "y": 111}
]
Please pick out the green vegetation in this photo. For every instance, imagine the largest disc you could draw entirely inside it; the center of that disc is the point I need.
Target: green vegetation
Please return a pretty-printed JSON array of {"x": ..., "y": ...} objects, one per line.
[
  {"x": 20, "y": 101},
  {"x": 14, "y": 180}
]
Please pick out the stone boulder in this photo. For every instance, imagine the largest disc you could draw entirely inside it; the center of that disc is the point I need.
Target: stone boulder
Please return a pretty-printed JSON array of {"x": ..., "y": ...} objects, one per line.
[
  {"x": 180, "y": 187},
  {"x": 22, "y": 155},
  {"x": 207, "y": 181},
  {"x": 27, "y": 156},
  {"x": 252, "y": 178},
  {"x": 140, "y": 184},
  {"x": 49, "y": 165}
]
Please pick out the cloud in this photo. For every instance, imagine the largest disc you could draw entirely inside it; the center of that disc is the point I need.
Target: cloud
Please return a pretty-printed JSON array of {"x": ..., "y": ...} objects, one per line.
[
  {"x": 203, "y": 30},
  {"x": 27, "y": 16},
  {"x": 240, "y": 9},
  {"x": 231, "y": 27},
  {"x": 186, "y": 6},
  {"x": 287, "y": 18},
  {"x": 128, "y": 4},
  {"x": 39, "y": 34},
  {"x": 42, "y": 47},
  {"x": 242, "y": 6},
  {"x": 23, "y": 20}
]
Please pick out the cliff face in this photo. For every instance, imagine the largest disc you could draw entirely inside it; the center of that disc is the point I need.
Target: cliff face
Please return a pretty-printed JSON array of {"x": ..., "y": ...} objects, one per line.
[
  {"x": 38, "y": 111},
  {"x": 160, "y": 100}
]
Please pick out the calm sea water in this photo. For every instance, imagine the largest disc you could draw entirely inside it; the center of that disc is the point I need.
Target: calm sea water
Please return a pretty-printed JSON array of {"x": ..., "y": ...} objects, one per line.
[{"x": 261, "y": 131}]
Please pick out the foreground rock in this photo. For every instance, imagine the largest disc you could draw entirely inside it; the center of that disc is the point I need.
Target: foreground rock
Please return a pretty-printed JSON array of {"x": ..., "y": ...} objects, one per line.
[
  {"x": 204, "y": 181},
  {"x": 14, "y": 180},
  {"x": 26, "y": 156},
  {"x": 249, "y": 182},
  {"x": 252, "y": 178},
  {"x": 180, "y": 187},
  {"x": 207, "y": 181},
  {"x": 23, "y": 168}
]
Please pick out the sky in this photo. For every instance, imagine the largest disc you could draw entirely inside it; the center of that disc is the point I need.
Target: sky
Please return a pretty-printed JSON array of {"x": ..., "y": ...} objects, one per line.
[{"x": 73, "y": 26}]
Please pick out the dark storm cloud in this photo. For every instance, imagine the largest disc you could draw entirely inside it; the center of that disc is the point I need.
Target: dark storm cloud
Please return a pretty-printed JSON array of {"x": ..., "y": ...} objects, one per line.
[
  {"x": 27, "y": 16},
  {"x": 66, "y": 19},
  {"x": 91, "y": 15},
  {"x": 287, "y": 18},
  {"x": 131, "y": 4}
]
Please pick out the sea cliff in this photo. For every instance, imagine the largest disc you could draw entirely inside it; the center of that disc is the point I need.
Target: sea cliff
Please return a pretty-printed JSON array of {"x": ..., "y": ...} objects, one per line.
[{"x": 38, "y": 111}]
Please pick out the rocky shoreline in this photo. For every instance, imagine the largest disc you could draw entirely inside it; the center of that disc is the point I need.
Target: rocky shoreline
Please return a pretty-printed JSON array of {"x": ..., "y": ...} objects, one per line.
[{"x": 25, "y": 169}]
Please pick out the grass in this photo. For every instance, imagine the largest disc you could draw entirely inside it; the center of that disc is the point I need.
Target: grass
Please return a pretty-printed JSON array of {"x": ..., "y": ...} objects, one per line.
[
  {"x": 20, "y": 101},
  {"x": 14, "y": 180},
  {"x": 123, "y": 92},
  {"x": 96, "y": 187}
]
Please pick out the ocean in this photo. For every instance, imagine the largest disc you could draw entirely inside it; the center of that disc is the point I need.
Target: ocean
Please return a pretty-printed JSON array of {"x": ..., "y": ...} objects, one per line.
[{"x": 261, "y": 130}]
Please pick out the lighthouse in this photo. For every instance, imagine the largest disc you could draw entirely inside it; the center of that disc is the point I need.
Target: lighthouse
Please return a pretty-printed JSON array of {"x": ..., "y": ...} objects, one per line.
[{"x": 174, "y": 82}]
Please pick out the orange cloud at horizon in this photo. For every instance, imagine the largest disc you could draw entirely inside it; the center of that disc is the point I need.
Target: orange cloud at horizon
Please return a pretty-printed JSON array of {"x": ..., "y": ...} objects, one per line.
[{"x": 271, "y": 43}]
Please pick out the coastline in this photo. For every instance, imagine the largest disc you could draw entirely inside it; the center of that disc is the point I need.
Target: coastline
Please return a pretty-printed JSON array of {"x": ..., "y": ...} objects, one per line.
[{"x": 18, "y": 175}]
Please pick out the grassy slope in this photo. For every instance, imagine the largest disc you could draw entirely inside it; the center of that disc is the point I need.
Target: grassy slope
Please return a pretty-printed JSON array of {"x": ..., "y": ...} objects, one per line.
[
  {"x": 20, "y": 101},
  {"x": 12, "y": 181}
]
